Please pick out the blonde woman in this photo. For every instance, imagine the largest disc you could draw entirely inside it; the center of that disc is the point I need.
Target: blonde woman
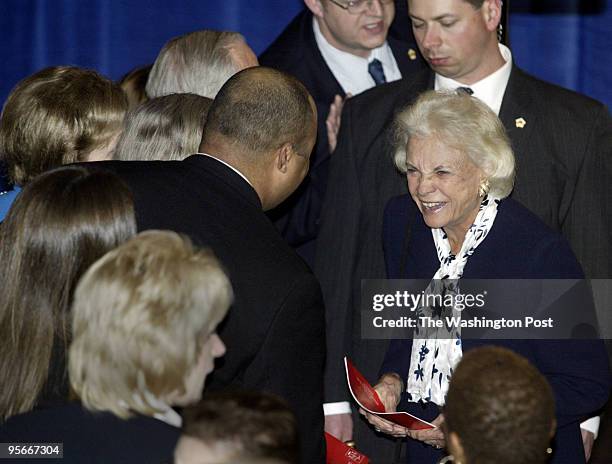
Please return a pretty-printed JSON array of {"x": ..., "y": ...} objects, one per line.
[{"x": 144, "y": 319}]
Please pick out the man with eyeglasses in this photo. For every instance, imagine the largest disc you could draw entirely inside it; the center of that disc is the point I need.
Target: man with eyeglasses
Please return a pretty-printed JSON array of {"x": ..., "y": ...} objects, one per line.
[{"x": 336, "y": 48}]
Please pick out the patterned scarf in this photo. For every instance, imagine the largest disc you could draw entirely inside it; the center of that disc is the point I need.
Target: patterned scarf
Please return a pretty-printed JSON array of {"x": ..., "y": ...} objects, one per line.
[{"x": 437, "y": 351}]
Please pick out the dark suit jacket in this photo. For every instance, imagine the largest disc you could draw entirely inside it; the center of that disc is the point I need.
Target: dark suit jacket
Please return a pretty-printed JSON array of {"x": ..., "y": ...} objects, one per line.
[
  {"x": 564, "y": 161},
  {"x": 274, "y": 332},
  {"x": 296, "y": 52},
  {"x": 519, "y": 246},
  {"x": 97, "y": 438}
]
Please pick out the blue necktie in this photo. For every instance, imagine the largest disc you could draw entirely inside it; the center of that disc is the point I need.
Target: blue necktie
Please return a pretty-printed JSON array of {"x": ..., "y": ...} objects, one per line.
[{"x": 375, "y": 69}]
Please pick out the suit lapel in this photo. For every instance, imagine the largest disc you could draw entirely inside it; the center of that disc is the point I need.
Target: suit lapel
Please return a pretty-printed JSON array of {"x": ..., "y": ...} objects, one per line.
[
  {"x": 516, "y": 112},
  {"x": 410, "y": 89},
  {"x": 329, "y": 86},
  {"x": 406, "y": 56}
]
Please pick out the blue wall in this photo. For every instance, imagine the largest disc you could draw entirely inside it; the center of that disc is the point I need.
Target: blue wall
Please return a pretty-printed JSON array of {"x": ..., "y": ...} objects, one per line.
[
  {"x": 113, "y": 36},
  {"x": 572, "y": 50}
]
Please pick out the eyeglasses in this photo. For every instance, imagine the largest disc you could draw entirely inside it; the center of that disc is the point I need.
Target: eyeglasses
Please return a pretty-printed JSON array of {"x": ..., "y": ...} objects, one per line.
[{"x": 357, "y": 6}]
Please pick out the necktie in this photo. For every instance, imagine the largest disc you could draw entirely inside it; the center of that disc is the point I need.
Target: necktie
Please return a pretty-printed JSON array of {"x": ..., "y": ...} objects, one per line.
[
  {"x": 465, "y": 90},
  {"x": 375, "y": 69}
]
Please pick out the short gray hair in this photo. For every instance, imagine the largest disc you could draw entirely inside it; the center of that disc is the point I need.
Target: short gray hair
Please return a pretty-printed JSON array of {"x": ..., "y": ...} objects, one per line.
[
  {"x": 199, "y": 62},
  {"x": 164, "y": 128},
  {"x": 465, "y": 124}
]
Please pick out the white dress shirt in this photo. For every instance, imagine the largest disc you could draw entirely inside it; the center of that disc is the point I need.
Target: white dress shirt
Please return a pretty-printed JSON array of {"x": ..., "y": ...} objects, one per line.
[
  {"x": 351, "y": 71},
  {"x": 489, "y": 90}
]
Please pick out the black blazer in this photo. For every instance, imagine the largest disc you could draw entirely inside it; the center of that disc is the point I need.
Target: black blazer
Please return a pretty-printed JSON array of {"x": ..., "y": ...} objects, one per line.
[
  {"x": 296, "y": 52},
  {"x": 97, "y": 438},
  {"x": 564, "y": 163},
  {"x": 274, "y": 332}
]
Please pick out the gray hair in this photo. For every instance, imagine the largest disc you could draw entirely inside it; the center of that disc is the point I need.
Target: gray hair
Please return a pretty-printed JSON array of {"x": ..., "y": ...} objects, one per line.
[
  {"x": 164, "y": 128},
  {"x": 199, "y": 62},
  {"x": 465, "y": 124}
]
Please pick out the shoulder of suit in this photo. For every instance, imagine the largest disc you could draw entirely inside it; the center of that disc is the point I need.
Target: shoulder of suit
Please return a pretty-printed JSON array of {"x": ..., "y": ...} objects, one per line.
[
  {"x": 289, "y": 47},
  {"x": 391, "y": 96},
  {"x": 398, "y": 203},
  {"x": 543, "y": 252},
  {"x": 400, "y": 210},
  {"x": 548, "y": 93},
  {"x": 521, "y": 224}
]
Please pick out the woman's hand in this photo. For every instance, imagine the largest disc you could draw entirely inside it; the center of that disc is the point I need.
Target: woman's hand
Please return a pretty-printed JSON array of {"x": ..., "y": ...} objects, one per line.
[
  {"x": 432, "y": 437},
  {"x": 389, "y": 389}
]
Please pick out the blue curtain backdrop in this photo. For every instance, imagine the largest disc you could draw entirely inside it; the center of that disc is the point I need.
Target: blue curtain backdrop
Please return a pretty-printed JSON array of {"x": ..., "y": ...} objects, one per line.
[{"x": 566, "y": 41}]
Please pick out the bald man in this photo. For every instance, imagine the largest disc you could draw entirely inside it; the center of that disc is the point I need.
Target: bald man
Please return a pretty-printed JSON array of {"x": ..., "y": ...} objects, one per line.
[{"x": 254, "y": 152}]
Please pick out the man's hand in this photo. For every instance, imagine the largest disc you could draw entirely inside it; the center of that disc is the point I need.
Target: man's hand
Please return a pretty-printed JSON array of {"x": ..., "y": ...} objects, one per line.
[
  {"x": 340, "y": 426},
  {"x": 333, "y": 121}
]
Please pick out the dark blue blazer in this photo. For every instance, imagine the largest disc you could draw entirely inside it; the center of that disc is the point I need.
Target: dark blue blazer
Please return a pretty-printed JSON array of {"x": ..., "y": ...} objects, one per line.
[
  {"x": 96, "y": 438},
  {"x": 518, "y": 246},
  {"x": 296, "y": 52}
]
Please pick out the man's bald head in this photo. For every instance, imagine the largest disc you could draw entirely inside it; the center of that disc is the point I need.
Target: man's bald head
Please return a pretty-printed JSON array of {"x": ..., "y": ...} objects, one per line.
[{"x": 258, "y": 110}]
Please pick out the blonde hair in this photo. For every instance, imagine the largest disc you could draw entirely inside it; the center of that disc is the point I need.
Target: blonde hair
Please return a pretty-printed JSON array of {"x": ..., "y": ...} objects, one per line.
[
  {"x": 133, "y": 84},
  {"x": 58, "y": 116},
  {"x": 164, "y": 128},
  {"x": 140, "y": 316},
  {"x": 465, "y": 124}
]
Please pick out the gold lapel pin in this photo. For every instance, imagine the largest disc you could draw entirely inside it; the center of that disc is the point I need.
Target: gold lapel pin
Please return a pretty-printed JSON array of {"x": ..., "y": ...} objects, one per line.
[
  {"x": 520, "y": 122},
  {"x": 412, "y": 54}
]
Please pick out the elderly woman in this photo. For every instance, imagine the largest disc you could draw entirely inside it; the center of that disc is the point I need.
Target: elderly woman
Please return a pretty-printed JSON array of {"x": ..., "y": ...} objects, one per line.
[
  {"x": 458, "y": 222},
  {"x": 143, "y": 325},
  {"x": 499, "y": 408}
]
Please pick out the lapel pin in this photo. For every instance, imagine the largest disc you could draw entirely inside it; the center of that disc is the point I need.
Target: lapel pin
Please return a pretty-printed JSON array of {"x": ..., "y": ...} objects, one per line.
[
  {"x": 412, "y": 54},
  {"x": 520, "y": 123}
]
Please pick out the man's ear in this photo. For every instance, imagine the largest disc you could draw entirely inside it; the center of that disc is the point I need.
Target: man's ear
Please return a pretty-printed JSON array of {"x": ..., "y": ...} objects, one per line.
[
  {"x": 283, "y": 157},
  {"x": 491, "y": 12},
  {"x": 315, "y": 6}
]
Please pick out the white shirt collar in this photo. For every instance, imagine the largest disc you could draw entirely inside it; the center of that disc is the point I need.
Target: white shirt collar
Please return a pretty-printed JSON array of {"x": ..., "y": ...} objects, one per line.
[
  {"x": 351, "y": 71},
  {"x": 229, "y": 166},
  {"x": 166, "y": 414},
  {"x": 170, "y": 417},
  {"x": 491, "y": 89}
]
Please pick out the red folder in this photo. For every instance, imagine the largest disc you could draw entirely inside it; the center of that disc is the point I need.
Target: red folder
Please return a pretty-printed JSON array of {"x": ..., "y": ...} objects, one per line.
[
  {"x": 367, "y": 398},
  {"x": 340, "y": 453}
]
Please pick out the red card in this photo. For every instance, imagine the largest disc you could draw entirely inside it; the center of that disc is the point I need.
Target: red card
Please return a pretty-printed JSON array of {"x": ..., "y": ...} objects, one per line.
[
  {"x": 339, "y": 453},
  {"x": 367, "y": 398}
]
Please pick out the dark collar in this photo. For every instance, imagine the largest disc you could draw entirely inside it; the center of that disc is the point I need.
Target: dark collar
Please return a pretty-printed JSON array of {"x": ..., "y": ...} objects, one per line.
[{"x": 226, "y": 175}]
